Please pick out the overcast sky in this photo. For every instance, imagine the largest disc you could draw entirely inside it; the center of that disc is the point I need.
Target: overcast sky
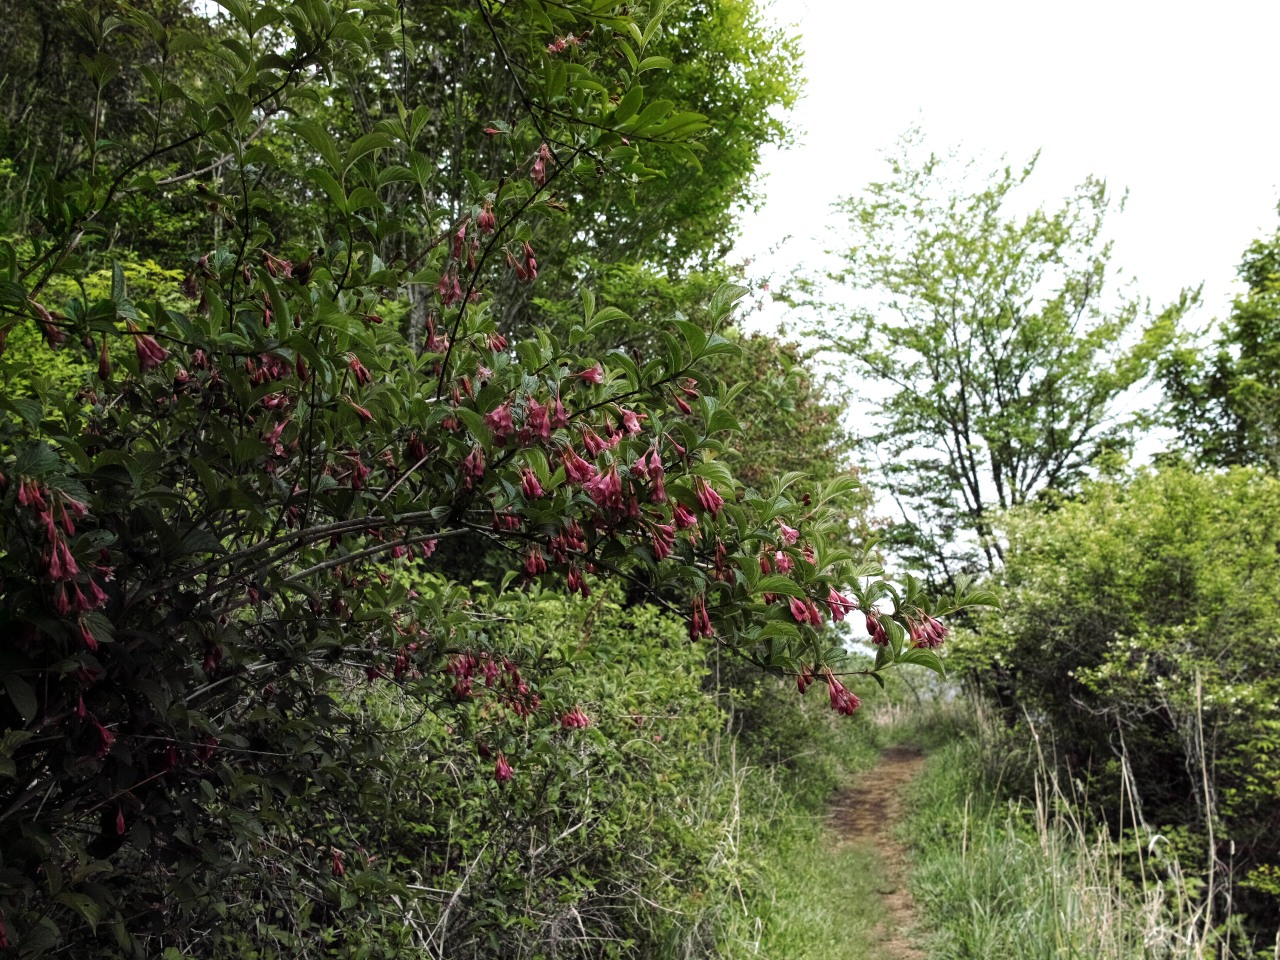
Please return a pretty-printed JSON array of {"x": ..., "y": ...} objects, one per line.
[{"x": 1174, "y": 101}]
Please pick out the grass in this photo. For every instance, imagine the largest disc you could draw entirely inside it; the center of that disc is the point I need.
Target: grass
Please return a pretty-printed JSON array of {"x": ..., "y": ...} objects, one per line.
[
  {"x": 824, "y": 901},
  {"x": 819, "y": 900},
  {"x": 1028, "y": 878}
]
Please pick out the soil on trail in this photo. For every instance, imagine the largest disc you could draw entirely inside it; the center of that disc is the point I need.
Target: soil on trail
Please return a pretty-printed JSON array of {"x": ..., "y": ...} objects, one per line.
[{"x": 866, "y": 814}]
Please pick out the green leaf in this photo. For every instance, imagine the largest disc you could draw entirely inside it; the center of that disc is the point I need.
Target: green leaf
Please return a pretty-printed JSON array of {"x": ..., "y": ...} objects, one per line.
[
  {"x": 366, "y": 145},
  {"x": 22, "y": 696},
  {"x": 325, "y": 181},
  {"x": 924, "y": 658},
  {"x": 607, "y": 315},
  {"x": 653, "y": 63},
  {"x": 777, "y": 583},
  {"x": 321, "y": 141},
  {"x": 30, "y": 410},
  {"x": 84, "y": 905},
  {"x": 475, "y": 426},
  {"x": 629, "y": 104}
]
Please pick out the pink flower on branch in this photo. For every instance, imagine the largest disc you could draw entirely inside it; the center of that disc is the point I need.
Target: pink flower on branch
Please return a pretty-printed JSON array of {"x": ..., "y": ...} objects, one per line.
[
  {"x": 577, "y": 583},
  {"x": 683, "y": 517},
  {"x": 804, "y": 678},
  {"x": 699, "y": 621},
  {"x": 928, "y": 632},
  {"x": 843, "y": 701},
  {"x": 663, "y": 538},
  {"x": 606, "y": 489},
  {"x": 529, "y": 484},
  {"x": 877, "y": 631},
  {"x": 358, "y": 370},
  {"x": 537, "y": 423},
  {"x": 709, "y": 500},
  {"x": 500, "y": 423},
  {"x": 576, "y": 470},
  {"x": 839, "y": 605},
  {"x": 150, "y": 353}
]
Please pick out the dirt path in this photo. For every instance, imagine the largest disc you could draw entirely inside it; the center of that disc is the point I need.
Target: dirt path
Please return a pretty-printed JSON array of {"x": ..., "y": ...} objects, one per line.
[{"x": 865, "y": 815}]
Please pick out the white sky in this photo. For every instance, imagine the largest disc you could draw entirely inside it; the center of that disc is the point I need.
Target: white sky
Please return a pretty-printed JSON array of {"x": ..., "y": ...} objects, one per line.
[{"x": 1175, "y": 101}]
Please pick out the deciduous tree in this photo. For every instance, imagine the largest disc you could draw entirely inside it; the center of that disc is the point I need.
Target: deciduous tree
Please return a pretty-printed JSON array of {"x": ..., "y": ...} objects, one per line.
[
  {"x": 1224, "y": 398},
  {"x": 992, "y": 349}
]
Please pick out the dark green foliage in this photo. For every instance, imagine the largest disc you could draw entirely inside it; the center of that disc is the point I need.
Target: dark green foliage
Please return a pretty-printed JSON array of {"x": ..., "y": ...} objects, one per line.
[
  {"x": 1142, "y": 620},
  {"x": 239, "y": 523}
]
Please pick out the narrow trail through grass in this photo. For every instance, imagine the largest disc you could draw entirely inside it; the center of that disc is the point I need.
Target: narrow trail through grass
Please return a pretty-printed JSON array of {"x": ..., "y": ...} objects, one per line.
[
  {"x": 839, "y": 875},
  {"x": 865, "y": 815}
]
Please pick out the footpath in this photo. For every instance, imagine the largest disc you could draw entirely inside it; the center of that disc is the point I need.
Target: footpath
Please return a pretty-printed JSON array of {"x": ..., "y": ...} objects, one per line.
[{"x": 865, "y": 815}]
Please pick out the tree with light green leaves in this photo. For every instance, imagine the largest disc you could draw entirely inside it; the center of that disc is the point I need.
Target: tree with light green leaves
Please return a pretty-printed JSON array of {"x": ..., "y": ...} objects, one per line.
[
  {"x": 1224, "y": 398},
  {"x": 992, "y": 347}
]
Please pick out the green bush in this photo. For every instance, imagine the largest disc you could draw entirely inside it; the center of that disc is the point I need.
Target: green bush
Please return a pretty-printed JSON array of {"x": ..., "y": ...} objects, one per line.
[{"x": 1142, "y": 621}]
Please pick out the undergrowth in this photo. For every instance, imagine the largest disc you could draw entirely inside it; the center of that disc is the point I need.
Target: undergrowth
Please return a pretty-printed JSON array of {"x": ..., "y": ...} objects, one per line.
[
  {"x": 1008, "y": 864},
  {"x": 815, "y": 898}
]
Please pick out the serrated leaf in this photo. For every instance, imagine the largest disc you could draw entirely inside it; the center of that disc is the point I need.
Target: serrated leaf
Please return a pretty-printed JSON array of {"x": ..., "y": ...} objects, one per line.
[
  {"x": 35, "y": 460},
  {"x": 777, "y": 583},
  {"x": 924, "y": 658},
  {"x": 30, "y": 410}
]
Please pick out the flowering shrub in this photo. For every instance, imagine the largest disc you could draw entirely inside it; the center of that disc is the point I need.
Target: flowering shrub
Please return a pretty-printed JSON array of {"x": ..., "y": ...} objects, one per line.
[{"x": 221, "y": 543}]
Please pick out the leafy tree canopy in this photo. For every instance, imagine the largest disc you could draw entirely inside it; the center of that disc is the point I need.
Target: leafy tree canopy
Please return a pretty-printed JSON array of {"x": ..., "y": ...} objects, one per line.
[
  {"x": 233, "y": 536},
  {"x": 992, "y": 351},
  {"x": 1224, "y": 398}
]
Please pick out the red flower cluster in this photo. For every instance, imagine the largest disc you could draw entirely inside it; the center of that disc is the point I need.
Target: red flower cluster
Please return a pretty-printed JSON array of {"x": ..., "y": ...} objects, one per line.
[
  {"x": 709, "y": 500},
  {"x": 571, "y": 539},
  {"x": 879, "y": 636},
  {"x": 529, "y": 484},
  {"x": 683, "y": 517},
  {"x": 575, "y": 719},
  {"x": 576, "y": 470},
  {"x": 839, "y": 605},
  {"x": 150, "y": 353},
  {"x": 843, "y": 701},
  {"x": 927, "y": 632},
  {"x": 502, "y": 676},
  {"x": 804, "y": 678},
  {"x": 805, "y": 610},
  {"x": 75, "y": 592},
  {"x": 699, "y": 622},
  {"x": 560, "y": 44},
  {"x": 649, "y": 467}
]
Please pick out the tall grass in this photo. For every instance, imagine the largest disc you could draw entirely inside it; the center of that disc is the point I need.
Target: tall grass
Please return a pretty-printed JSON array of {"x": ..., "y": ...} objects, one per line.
[
  {"x": 815, "y": 898},
  {"x": 1032, "y": 877}
]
